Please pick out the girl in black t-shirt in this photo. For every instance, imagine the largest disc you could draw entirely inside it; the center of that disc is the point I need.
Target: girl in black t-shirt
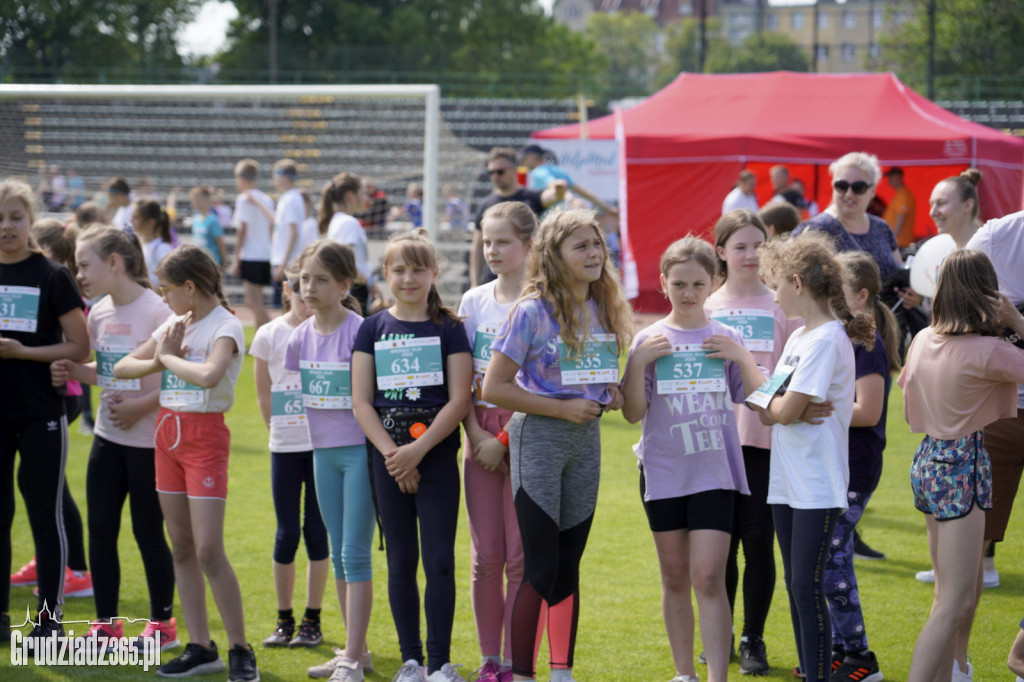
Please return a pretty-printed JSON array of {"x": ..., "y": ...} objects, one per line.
[{"x": 41, "y": 320}]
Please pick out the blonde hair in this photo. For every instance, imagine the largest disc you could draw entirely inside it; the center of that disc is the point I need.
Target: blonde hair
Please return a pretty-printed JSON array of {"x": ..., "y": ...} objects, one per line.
[
  {"x": 811, "y": 257},
  {"x": 16, "y": 189},
  {"x": 248, "y": 169},
  {"x": 689, "y": 248},
  {"x": 415, "y": 248},
  {"x": 860, "y": 271},
  {"x": 966, "y": 296},
  {"x": 548, "y": 279},
  {"x": 520, "y": 216},
  {"x": 58, "y": 239},
  {"x": 106, "y": 240},
  {"x": 866, "y": 163}
]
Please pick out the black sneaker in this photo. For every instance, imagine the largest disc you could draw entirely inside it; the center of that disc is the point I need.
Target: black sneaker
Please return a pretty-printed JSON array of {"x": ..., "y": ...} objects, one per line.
[
  {"x": 282, "y": 635},
  {"x": 862, "y": 551},
  {"x": 195, "y": 660},
  {"x": 242, "y": 664},
  {"x": 5, "y": 628},
  {"x": 50, "y": 627},
  {"x": 753, "y": 656},
  {"x": 309, "y": 634},
  {"x": 837, "y": 657},
  {"x": 858, "y": 668}
]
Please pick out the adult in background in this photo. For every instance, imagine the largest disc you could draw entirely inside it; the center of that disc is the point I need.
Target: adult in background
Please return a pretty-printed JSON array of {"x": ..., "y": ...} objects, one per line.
[
  {"x": 544, "y": 170},
  {"x": 742, "y": 195},
  {"x": 501, "y": 169},
  {"x": 785, "y": 190},
  {"x": 901, "y": 212}
]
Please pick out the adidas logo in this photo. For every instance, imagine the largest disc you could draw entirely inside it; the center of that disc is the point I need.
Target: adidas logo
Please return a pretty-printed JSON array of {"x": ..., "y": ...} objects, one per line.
[{"x": 51, "y": 425}]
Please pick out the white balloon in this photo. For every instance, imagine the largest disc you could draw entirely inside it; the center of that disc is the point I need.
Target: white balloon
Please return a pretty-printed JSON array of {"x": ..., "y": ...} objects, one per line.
[{"x": 924, "y": 271}]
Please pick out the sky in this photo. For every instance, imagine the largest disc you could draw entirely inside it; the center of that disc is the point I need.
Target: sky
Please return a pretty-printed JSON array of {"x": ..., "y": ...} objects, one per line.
[{"x": 205, "y": 35}]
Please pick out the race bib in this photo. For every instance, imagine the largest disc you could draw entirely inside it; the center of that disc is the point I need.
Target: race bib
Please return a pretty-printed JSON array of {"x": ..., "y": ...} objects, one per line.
[
  {"x": 286, "y": 406},
  {"x": 482, "y": 347},
  {"x": 107, "y": 356},
  {"x": 176, "y": 391},
  {"x": 766, "y": 391},
  {"x": 403, "y": 363},
  {"x": 326, "y": 385},
  {"x": 756, "y": 326},
  {"x": 597, "y": 364},
  {"x": 689, "y": 370},
  {"x": 19, "y": 308}
]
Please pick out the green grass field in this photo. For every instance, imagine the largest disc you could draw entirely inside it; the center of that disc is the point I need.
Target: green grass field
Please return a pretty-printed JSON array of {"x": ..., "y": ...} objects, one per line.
[{"x": 621, "y": 636}]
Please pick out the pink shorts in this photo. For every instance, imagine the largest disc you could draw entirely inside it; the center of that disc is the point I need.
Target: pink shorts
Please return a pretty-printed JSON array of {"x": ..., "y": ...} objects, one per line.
[{"x": 192, "y": 453}]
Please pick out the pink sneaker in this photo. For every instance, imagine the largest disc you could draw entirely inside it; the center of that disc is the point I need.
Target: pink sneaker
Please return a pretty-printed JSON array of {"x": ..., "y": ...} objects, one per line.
[
  {"x": 74, "y": 585},
  {"x": 26, "y": 575},
  {"x": 489, "y": 672},
  {"x": 164, "y": 631},
  {"x": 505, "y": 674},
  {"x": 105, "y": 635}
]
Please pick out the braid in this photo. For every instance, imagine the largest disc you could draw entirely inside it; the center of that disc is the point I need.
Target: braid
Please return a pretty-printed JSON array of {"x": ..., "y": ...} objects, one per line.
[{"x": 218, "y": 291}]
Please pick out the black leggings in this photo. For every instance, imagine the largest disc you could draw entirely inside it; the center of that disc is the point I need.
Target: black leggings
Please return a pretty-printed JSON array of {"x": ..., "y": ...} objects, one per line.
[
  {"x": 435, "y": 507},
  {"x": 288, "y": 472},
  {"x": 43, "y": 445},
  {"x": 115, "y": 472},
  {"x": 805, "y": 536},
  {"x": 752, "y": 525}
]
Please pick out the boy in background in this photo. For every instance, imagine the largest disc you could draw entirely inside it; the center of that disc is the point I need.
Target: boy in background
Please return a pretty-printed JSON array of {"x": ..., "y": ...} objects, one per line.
[
  {"x": 288, "y": 219},
  {"x": 254, "y": 217},
  {"x": 206, "y": 229}
]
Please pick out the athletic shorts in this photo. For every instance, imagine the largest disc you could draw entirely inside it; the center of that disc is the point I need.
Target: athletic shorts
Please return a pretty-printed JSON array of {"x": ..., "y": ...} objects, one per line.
[
  {"x": 949, "y": 476},
  {"x": 708, "y": 510},
  {"x": 256, "y": 272},
  {"x": 192, "y": 454}
]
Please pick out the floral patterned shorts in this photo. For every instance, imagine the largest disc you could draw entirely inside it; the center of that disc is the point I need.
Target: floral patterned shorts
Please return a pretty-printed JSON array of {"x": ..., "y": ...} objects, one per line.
[{"x": 949, "y": 476}]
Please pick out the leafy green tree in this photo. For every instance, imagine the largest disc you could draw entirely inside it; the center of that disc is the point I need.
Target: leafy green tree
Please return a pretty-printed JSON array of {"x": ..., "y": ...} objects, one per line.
[
  {"x": 61, "y": 38},
  {"x": 972, "y": 38},
  {"x": 629, "y": 42},
  {"x": 764, "y": 51},
  {"x": 682, "y": 48}
]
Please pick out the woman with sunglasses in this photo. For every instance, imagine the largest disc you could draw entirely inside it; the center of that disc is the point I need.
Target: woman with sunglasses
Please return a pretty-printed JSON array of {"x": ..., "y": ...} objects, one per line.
[{"x": 854, "y": 177}]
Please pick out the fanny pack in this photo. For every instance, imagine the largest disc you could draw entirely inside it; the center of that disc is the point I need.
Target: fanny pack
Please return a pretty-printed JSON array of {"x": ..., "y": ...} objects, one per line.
[{"x": 399, "y": 420}]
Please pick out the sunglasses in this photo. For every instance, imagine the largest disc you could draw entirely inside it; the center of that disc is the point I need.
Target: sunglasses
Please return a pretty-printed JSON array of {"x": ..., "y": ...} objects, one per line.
[
  {"x": 859, "y": 187},
  {"x": 496, "y": 171},
  {"x": 162, "y": 290}
]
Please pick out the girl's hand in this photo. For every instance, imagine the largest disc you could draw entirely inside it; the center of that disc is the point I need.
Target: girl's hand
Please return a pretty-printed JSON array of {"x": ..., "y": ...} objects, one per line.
[
  {"x": 124, "y": 412},
  {"x": 170, "y": 342},
  {"x": 815, "y": 413},
  {"x": 10, "y": 349},
  {"x": 581, "y": 410},
  {"x": 617, "y": 399},
  {"x": 60, "y": 372},
  {"x": 490, "y": 454},
  {"x": 724, "y": 347},
  {"x": 1007, "y": 314},
  {"x": 403, "y": 460},
  {"x": 650, "y": 349},
  {"x": 411, "y": 483}
]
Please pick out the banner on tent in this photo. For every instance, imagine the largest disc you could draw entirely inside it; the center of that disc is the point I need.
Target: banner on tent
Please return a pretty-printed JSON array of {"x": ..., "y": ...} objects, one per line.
[{"x": 594, "y": 164}]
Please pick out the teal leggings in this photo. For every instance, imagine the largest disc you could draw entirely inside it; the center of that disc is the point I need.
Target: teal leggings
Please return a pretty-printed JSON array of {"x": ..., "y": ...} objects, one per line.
[{"x": 343, "y": 491}]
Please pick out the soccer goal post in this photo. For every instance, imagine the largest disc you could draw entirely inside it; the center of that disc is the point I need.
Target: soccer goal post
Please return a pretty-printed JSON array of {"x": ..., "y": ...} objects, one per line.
[{"x": 187, "y": 135}]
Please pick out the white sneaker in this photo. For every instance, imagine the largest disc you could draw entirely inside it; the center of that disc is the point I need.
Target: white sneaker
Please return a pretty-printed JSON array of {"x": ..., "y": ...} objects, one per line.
[
  {"x": 959, "y": 676},
  {"x": 347, "y": 670},
  {"x": 990, "y": 578},
  {"x": 685, "y": 678},
  {"x": 411, "y": 671},
  {"x": 926, "y": 576},
  {"x": 447, "y": 673},
  {"x": 327, "y": 669}
]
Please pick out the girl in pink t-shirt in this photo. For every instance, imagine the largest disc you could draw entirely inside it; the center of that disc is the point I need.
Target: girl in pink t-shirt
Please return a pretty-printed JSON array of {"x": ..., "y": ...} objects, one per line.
[
  {"x": 743, "y": 302},
  {"x": 683, "y": 376},
  {"x": 960, "y": 376}
]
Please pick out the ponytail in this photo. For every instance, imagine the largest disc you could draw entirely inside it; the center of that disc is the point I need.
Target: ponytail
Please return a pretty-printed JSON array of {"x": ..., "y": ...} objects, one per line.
[
  {"x": 889, "y": 329},
  {"x": 860, "y": 327},
  {"x": 192, "y": 263},
  {"x": 151, "y": 210},
  {"x": 326, "y": 210},
  {"x": 334, "y": 193},
  {"x": 437, "y": 310},
  {"x": 352, "y": 303},
  {"x": 163, "y": 226}
]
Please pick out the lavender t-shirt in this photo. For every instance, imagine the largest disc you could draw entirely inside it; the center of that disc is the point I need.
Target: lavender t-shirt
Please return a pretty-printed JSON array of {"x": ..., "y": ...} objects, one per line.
[
  {"x": 689, "y": 443},
  {"x": 327, "y": 428},
  {"x": 530, "y": 338}
]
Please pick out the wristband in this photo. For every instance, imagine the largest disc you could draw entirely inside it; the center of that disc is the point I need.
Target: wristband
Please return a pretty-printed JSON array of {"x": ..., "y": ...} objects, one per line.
[{"x": 502, "y": 437}]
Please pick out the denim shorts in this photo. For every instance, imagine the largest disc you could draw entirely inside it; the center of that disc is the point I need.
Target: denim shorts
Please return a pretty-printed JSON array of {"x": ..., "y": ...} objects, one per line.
[{"x": 949, "y": 476}]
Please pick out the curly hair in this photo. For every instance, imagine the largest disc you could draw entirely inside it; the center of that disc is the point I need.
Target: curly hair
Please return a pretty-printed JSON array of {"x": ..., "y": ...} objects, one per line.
[
  {"x": 811, "y": 257},
  {"x": 860, "y": 271},
  {"x": 548, "y": 279}
]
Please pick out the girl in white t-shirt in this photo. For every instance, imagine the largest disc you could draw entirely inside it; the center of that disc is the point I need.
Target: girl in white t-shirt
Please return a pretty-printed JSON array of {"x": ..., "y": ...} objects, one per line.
[
  {"x": 683, "y": 376},
  {"x": 810, "y": 458},
  {"x": 344, "y": 196},
  {"x": 111, "y": 269},
  {"x": 960, "y": 376},
  {"x": 198, "y": 352},
  {"x": 153, "y": 227},
  {"x": 507, "y": 230},
  {"x": 279, "y": 394},
  {"x": 743, "y": 302}
]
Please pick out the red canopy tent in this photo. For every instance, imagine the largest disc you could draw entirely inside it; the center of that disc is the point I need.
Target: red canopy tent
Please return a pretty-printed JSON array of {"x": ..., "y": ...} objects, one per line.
[{"x": 686, "y": 144}]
